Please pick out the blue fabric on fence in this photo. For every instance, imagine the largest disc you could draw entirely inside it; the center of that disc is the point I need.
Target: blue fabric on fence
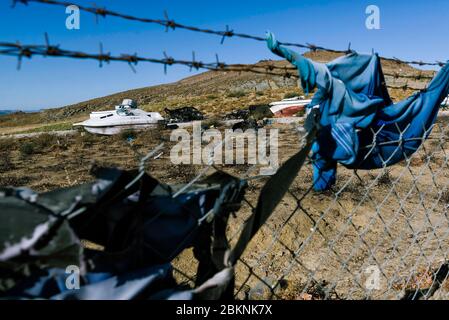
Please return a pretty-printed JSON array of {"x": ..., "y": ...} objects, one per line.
[{"x": 354, "y": 104}]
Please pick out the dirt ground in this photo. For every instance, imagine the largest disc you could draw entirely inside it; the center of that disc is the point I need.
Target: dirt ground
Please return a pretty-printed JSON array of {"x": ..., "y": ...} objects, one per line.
[{"x": 323, "y": 246}]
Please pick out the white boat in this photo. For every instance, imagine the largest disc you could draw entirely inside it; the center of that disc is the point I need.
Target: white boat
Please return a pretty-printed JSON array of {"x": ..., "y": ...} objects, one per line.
[
  {"x": 125, "y": 116},
  {"x": 289, "y": 107}
]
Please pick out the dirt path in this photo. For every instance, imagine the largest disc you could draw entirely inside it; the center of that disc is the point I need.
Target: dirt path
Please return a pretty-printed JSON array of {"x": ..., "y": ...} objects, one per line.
[{"x": 35, "y": 134}]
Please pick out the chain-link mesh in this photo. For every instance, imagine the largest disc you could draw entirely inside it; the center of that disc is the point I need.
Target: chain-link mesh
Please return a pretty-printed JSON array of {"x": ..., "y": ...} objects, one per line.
[{"x": 378, "y": 234}]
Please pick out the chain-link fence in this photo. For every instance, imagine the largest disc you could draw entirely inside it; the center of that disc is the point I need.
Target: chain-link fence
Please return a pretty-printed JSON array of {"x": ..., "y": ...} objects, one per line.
[{"x": 377, "y": 234}]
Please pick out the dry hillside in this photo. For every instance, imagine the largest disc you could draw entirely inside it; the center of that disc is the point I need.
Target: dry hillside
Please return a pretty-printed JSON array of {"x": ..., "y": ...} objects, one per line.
[{"x": 212, "y": 92}]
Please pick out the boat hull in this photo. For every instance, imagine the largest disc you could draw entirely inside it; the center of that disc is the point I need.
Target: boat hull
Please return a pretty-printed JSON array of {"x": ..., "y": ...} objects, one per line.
[
  {"x": 111, "y": 122},
  {"x": 288, "y": 111},
  {"x": 289, "y": 107},
  {"x": 113, "y": 130}
]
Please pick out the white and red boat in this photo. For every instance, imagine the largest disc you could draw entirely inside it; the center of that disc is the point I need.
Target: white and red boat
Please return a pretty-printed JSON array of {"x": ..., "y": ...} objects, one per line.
[{"x": 289, "y": 107}]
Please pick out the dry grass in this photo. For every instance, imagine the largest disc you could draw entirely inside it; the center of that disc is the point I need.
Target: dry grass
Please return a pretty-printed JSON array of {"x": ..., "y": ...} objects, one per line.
[{"x": 65, "y": 161}]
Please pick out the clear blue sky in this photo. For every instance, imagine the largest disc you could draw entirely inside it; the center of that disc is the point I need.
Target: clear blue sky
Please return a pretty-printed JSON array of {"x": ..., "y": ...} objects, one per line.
[{"x": 413, "y": 29}]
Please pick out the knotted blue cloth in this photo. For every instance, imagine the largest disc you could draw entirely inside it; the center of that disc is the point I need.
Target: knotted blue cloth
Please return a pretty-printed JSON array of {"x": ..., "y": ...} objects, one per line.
[{"x": 361, "y": 127}]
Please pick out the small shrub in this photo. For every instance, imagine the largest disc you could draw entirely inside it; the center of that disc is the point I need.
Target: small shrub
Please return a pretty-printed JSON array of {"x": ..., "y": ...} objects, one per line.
[
  {"x": 150, "y": 137},
  {"x": 5, "y": 162},
  {"x": 384, "y": 179},
  {"x": 237, "y": 94},
  {"x": 7, "y": 144},
  {"x": 63, "y": 143},
  {"x": 128, "y": 135},
  {"x": 27, "y": 149},
  {"x": 14, "y": 181},
  {"x": 428, "y": 158},
  {"x": 290, "y": 95},
  {"x": 85, "y": 139},
  {"x": 212, "y": 97},
  {"x": 445, "y": 196},
  {"x": 45, "y": 140}
]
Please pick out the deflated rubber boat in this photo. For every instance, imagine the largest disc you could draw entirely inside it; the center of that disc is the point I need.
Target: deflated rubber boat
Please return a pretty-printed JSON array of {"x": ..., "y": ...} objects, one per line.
[{"x": 125, "y": 116}]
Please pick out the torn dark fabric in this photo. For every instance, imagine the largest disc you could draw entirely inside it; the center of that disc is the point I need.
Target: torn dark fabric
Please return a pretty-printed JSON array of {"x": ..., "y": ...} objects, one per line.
[
  {"x": 149, "y": 283},
  {"x": 141, "y": 224},
  {"x": 360, "y": 126}
]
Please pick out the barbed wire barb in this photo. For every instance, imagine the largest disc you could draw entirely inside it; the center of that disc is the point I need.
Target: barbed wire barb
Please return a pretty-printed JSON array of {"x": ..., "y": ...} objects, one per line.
[
  {"x": 169, "y": 23},
  {"x": 227, "y": 33}
]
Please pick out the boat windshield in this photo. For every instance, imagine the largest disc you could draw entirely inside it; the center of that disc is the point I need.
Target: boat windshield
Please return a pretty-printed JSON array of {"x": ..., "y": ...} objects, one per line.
[{"x": 124, "y": 110}]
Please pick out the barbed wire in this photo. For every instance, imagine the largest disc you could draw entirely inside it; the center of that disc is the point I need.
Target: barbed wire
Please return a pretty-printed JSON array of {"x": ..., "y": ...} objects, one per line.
[
  {"x": 396, "y": 75},
  {"x": 227, "y": 33},
  {"x": 28, "y": 51}
]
